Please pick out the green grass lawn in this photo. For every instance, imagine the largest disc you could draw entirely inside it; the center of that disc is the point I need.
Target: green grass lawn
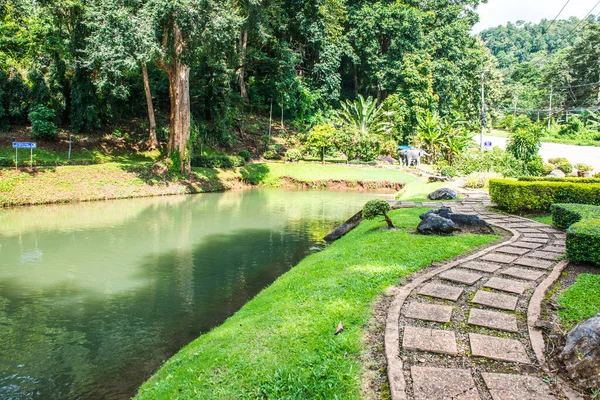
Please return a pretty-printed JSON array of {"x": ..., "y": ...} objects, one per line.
[
  {"x": 281, "y": 344},
  {"x": 46, "y": 157},
  {"x": 580, "y": 301},
  {"x": 419, "y": 189},
  {"x": 544, "y": 219},
  {"x": 318, "y": 172}
]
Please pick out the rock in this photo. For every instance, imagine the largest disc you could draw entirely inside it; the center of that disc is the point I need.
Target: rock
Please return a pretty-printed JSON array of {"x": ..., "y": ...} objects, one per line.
[
  {"x": 581, "y": 354},
  {"x": 427, "y": 214},
  {"x": 443, "y": 194},
  {"x": 439, "y": 179},
  {"x": 471, "y": 223},
  {"x": 436, "y": 225},
  {"x": 443, "y": 212},
  {"x": 558, "y": 173}
]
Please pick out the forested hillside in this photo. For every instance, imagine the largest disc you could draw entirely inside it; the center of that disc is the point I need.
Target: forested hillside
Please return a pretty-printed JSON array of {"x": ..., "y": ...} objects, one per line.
[{"x": 81, "y": 64}]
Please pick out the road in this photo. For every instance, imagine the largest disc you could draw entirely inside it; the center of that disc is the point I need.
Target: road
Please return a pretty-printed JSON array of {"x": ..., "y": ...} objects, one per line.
[{"x": 575, "y": 154}]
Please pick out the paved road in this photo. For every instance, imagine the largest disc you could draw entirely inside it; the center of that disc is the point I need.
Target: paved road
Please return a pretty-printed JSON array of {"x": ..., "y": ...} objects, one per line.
[{"x": 575, "y": 154}]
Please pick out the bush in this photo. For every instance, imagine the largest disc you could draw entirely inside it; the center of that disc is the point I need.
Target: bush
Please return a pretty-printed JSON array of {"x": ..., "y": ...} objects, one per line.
[
  {"x": 375, "y": 208},
  {"x": 565, "y": 215},
  {"x": 218, "y": 161},
  {"x": 293, "y": 155},
  {"x": 565, "y": 167},
  {"x": 597, "y": 176},
  {"x": 547, "y": 168},
  {"x": 271, "y": 155},
  {"x": 524, "y": 143},
  {"x": 538, "y": 196},
  {"x": 495, "y": 160},
  {"x": 535, "y": 166},
  {"x": 245, "y": 154},
  {"x": 449, "y": 172},
  {"x": 522, "y": 122},
  {"x": 42, "y": 122},
  {"x": 583, "y": 167},
  {"x": 478, "y": 180},
  {"x": 557, "y": 160},
  {"x": 583, "y": 241},
  {"x": 571, "y": 179}
]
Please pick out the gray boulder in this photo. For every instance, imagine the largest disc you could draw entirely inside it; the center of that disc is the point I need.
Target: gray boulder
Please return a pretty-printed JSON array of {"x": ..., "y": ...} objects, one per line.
[
  {"x": 558, "y": 173},
  {"x": 443, "y": 212},
  {"x": 436, "y": 225},
  {"x": 581, "y": 354},
  {"x": 471, "y": 223},
  {"x": 443, "y": 194}
]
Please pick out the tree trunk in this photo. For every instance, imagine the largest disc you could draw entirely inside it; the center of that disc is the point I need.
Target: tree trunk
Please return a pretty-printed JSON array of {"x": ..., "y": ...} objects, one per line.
[
  {"x": 388, "y": 220},
  {"x": 242, "y": 70},
  {"x": 152, "y": 140}
]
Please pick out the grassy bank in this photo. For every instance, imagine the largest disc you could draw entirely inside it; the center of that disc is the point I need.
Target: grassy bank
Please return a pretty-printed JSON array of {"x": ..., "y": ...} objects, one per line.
[
  {"x": 141, "y": 179},
  {"x": 281, "y": 344},
  {"x": 580, "y": 301}
]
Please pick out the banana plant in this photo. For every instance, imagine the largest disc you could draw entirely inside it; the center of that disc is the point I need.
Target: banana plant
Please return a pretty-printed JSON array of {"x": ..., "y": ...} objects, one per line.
[{"x": 365, "y": 116}]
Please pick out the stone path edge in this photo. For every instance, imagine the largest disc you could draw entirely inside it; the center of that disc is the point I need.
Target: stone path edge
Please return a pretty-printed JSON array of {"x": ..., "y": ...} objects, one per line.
[{"x": 392, "y": 332}]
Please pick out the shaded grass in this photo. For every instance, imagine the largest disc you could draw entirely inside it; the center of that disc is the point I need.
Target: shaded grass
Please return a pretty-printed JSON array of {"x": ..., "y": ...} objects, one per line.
[
  {"x": 47, "y": 157},
  {"x": 281, "y": 344},
  {"x": 580, "y": 301},
  {"x": 419, "y": 190}
]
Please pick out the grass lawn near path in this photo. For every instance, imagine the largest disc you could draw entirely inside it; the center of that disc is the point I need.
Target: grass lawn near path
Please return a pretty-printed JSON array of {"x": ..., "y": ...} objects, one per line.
[
  {"x": 323, "y": 172},
  {"x": 544, "y": 219},
  {"x": 580, "y": 301},
  {"x": 281, "y": 344},
  {"x": 418, "y": 190}
]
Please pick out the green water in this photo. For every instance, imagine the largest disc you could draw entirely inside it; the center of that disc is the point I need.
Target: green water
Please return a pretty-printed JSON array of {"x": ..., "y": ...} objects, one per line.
[{"x": 94, "y": 297}]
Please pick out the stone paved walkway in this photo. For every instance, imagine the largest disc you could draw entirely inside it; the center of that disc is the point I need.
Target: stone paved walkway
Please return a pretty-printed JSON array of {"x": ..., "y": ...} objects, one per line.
[{"x": 466, "y": 330}]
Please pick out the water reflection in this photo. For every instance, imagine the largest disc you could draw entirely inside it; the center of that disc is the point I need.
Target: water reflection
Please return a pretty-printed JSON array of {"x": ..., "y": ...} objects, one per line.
[{"x": 93, "y": 297}]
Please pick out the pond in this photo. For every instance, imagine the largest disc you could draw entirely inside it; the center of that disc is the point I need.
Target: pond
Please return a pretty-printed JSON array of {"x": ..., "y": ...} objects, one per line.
[{"x": 95, "y": 296}]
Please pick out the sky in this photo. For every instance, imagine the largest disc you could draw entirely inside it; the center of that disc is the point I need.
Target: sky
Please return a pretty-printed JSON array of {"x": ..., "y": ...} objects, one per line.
[{"x": 499, "y": 12}]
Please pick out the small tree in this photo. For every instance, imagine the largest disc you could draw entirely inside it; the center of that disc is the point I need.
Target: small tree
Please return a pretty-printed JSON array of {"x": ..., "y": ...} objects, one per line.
[
  {"x": 375, "y": 208},
  {"x": 321, "y": 138}
]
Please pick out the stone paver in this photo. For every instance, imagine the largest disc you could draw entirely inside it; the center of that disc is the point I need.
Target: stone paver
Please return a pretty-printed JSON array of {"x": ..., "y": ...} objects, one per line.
[
  {"x": 555, "y": 249},
  {"x": 432, "y": 340},
  {"x": 523, "y": 273},
  {"x": 482, "y": 266},
  {"x": 506, "y": 285},
  {"x": 429, "y": 312},
  {"x": 496, "y": 348},
  {"x": 495, "y": 300},
  {"x": 512, "y": 250},
  {"x": 497, "y": 257},
  {"x": 493, "y": 320},
  {"x": 527, "y": 245},
  {"x": 516, "y": 387},
  {"x": 546, "y": 255},
  {"x": 533, "y": 263},
  {"x": 534, "y": 240},
  {"x": 443, "y": 384},
  {"x": 461, "y": 276},
  {"x": 441, "y": 291},
  {"x": 510, "y": 267}
]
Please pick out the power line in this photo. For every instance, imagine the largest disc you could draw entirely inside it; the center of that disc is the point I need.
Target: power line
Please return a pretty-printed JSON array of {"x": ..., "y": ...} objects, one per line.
[
  {"x": 557, "y": 15},
  {"x": 583, "y": 19}
]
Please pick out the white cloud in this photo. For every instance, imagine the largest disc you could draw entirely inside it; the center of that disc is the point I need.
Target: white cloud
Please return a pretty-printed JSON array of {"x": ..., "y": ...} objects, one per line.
[{"x": 499, "y": 12}]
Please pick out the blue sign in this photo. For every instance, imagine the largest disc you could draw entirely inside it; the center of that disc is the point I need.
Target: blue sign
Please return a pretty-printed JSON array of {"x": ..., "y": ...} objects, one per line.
[
  {"x": 487, "y": 144},
  {"x": 25, "y": 145}
]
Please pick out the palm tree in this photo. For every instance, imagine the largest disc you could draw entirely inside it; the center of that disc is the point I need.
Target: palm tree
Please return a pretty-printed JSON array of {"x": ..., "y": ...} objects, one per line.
[{"x": 365, "y": 116}]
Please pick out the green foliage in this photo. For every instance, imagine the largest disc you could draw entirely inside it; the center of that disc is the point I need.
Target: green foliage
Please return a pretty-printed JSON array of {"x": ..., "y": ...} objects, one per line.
[
  {"x": 495, "y": 160},
  {"x": 522, "y": 122},
  {"x": 571, "y": 179},
  {"x": 321, "y": 138},
  {"x": 245, "y": 154},
  {"x": 582, "y": 222},
  {"x": 441, "y": 137},
  {"x": 524, "y": 143},
  {"x": 547, "y": 168},
  {"x": 580, "y": 301},
  {"x": 271, "y": 155},
  {"x": 449, "y": 172},
  {"x": 218, "y": 161},
  {"x": 293, "y": 155},
  {"x": 42, "y": 122},
  {"x": 538, "y": 196},
  {"x": 565, "y": 215},
  {"x": 365, "y": 116},
  {"x": 583, "y": 167},
  {"x": 565, "y": 167},
  {"x": 375, "y": 208}
]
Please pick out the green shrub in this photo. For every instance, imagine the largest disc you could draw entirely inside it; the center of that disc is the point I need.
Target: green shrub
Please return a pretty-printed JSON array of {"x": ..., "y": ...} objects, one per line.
[
  {"x": 538, "y": 196},
  {"x": 597, "y": 176},
  {"x": 293, "y": 155},
  {"x": 375, "y": 208},
  {"x": 478, "y": 180},
  {"x": 565, "y": 215},
  {"x": 547, "y": 168},
  {"x": 271, "y": 155},
  {"x": 449, "y": 172},
  {"x": 565, "y": 167},
  {"x": 245, "y": 154},
  {"x": 583, "y": 167},
  {"x": 522, "y": 122},
  {"x": 557, "y": 160},
  {"x": 524, "y": 143},
  {"x": 583, "y": 241},
  {"x": 535, "y": 166},
  {"x": 571, "y": 179},
  {"x": 218, "y": 161},
  {"x": 42, "y": 122}
]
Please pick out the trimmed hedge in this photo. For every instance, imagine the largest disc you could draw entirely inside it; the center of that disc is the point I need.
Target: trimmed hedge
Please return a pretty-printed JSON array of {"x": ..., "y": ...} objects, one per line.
[
  {"x": 537, "y": 197},
  {"x": 583, "y": 233},
  {"x": 565, "y": 215},
  {"x": 557, "y": 179}
]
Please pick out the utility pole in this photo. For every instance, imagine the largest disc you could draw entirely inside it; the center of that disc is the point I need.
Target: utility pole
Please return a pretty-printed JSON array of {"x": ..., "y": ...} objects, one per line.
[
  {"x": 550, "y": 109},
  {"x": 482, "y": 116}
]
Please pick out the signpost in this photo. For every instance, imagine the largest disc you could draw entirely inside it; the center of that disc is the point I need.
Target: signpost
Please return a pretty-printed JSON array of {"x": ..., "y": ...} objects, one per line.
[{"x": 23, "y": 145}]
